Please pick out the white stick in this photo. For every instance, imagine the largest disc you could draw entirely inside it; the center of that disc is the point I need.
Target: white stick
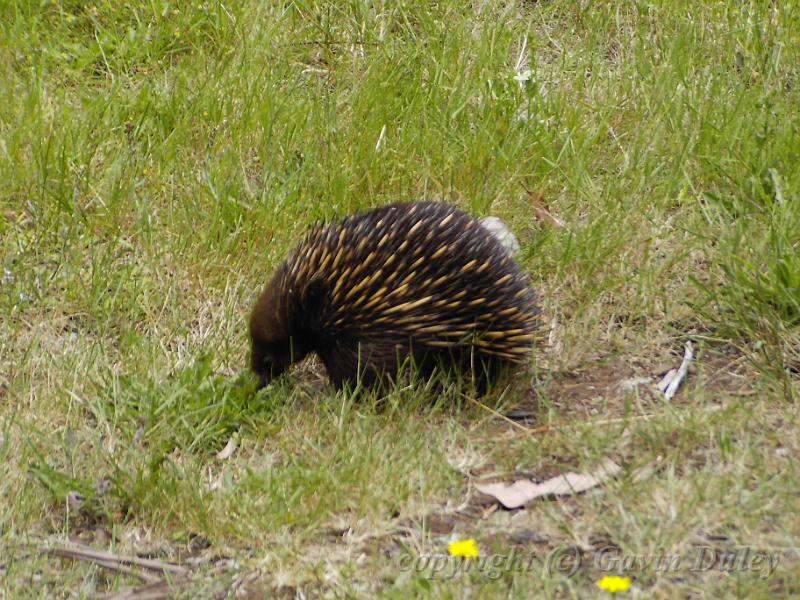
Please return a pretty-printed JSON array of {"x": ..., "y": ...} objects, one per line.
[
  {"x": 666, "y": 380},
  {"x": 688, "y": 355}
]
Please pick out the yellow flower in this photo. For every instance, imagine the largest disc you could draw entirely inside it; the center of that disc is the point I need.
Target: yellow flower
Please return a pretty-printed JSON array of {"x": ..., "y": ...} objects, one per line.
[
  {"x": 614, "y": 584},
  {"x": 467, "y": 548}
]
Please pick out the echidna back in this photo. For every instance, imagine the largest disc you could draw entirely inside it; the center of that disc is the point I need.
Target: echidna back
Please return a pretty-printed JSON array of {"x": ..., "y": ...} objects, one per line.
[{"x": 408, "y": 279}]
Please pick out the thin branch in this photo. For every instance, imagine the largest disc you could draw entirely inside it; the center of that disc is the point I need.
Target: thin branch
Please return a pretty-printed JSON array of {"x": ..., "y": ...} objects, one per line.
[{"x": 114, "y": 561}]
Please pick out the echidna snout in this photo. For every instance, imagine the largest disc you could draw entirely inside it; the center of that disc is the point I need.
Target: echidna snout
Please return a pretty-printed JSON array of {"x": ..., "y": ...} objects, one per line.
[{"x": 422, "y": 281}]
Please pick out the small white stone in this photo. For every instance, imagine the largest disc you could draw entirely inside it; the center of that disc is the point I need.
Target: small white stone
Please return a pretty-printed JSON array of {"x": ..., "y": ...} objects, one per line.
[{"x": 503, "y": 234}]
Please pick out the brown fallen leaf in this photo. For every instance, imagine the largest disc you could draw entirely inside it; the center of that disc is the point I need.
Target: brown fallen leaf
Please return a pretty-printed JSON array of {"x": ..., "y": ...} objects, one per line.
[
  {"x": 523, "y": 491},
  {"x": 542, "y": 213}
]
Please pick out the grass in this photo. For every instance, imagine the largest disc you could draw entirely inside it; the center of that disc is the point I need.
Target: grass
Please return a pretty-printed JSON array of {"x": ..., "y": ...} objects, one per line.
[{"x": 158, "y": 159}]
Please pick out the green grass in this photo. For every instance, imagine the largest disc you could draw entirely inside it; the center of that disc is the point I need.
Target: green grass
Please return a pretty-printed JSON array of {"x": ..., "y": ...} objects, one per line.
[{"x": 157, "y": 160}]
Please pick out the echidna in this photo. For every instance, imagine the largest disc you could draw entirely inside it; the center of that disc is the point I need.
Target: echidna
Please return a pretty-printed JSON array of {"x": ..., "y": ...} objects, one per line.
[{"x": 422, "y": 281}]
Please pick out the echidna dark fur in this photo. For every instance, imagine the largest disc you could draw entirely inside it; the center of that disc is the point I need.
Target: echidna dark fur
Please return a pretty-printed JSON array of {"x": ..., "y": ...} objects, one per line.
[{"x": 420, "y": 281}]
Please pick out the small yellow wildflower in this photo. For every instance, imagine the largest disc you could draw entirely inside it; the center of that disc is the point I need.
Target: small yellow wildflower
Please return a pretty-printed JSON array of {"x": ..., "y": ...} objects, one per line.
[
  {"x": 614, "y": 583},
  {"x": 467, "y": 548}
]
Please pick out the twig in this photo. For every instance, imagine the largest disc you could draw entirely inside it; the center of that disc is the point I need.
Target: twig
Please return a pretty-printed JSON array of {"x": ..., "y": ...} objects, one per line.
[
  {"x": 110, "y": 565},
  {"x": 505, "y": 418},
  {"x": 115, "y": 562}
]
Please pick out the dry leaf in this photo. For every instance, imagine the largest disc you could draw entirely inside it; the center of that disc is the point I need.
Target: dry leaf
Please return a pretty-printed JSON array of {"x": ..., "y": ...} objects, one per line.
[
  {"x": 523, "y": 491},
  {"x": 543, "y": 214},
  {"x": 228, "y": 450}
]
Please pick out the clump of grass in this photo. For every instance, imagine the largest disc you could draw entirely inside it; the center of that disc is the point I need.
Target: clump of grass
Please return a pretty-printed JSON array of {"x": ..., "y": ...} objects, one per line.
[{"x": 755, "y": 293}]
